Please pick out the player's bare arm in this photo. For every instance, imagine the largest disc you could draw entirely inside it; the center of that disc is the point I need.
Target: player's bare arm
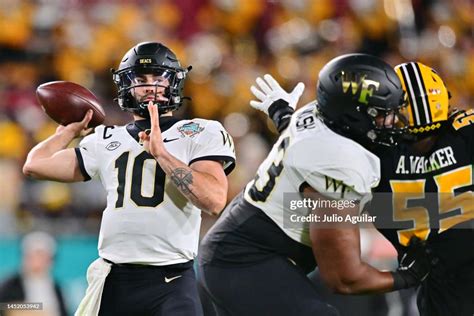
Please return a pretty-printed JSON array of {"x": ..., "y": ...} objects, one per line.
[
  {"x": 52, "y": 160},
  {"x": 203, "y": 183},
  {"x": 337, "y": 251},
  {"x": 338, "y": 254}
]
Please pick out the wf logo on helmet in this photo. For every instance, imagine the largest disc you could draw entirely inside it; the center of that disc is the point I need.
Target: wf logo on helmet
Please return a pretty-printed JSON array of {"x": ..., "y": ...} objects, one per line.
[{"x": 365, "y": 86}]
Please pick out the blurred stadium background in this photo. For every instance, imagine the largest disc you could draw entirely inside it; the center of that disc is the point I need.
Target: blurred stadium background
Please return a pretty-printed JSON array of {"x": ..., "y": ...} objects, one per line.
[{"x": 229, "y": 43}]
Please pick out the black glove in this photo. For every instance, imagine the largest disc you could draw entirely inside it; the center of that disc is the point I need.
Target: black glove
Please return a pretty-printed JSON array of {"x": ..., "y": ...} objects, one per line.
[{"x": 414, "y": 264}]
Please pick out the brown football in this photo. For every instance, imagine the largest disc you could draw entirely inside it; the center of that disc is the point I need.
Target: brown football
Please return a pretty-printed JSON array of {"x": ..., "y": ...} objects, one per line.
[{"x": 67, "y": 102}]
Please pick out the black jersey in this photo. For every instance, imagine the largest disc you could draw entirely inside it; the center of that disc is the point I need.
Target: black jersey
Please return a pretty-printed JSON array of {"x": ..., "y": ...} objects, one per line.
[{"x": 431, "y": 193}]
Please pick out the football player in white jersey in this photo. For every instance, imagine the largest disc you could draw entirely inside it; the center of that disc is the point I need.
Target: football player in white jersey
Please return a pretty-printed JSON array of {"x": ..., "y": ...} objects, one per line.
[
  {"x": 159, "y": 172},
  {"x": 254, "y": 260}
]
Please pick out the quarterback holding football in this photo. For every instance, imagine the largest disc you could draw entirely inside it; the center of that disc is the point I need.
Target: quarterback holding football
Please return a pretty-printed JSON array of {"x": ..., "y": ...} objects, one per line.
[{"x": 159, "y": 172}]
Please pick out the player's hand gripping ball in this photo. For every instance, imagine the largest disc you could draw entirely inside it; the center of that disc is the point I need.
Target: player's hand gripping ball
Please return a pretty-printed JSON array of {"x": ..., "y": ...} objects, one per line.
[{"x": 67, "y": 102}]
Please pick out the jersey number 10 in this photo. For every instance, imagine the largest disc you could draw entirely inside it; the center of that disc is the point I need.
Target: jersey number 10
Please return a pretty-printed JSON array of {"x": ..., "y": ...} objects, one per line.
[{"x": 136, "y": 182}]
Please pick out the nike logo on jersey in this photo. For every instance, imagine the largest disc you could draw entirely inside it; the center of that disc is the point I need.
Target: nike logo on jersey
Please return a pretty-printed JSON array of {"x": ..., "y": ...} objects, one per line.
[
  {"x": 166, "y": 140},
  {"x": 168, "y": 280}
]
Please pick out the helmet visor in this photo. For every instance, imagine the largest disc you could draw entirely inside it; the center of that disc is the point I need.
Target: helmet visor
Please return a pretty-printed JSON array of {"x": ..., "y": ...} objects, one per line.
[{"x": 148, "y": 77}]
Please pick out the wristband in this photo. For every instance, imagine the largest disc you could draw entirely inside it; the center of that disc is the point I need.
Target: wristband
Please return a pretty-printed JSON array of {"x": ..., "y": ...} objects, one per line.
[
  {"x": 280, "y": 113},
  {"x": 399, "y": 281}
]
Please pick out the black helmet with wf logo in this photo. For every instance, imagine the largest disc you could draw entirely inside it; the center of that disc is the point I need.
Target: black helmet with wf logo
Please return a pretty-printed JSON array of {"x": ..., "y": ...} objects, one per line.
[{"x": 360, "y": 96}]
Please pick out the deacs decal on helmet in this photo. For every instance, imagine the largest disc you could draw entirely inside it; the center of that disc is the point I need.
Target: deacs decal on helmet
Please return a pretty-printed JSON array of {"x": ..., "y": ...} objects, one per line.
[{"x": 150, "y": 58}]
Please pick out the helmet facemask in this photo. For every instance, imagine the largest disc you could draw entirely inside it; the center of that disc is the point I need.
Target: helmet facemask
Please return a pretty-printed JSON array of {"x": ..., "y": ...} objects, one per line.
[
  {"x": 378, "y": 125},
  {"x": 153, "y": 67},
  {"x": 389, "y": 125},
  {"x": 138, "y": 85}
]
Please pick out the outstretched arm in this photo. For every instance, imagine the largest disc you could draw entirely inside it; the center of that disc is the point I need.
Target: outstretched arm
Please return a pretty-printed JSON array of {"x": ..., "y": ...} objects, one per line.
[
  {"x": 52, "y": 160},
  {"x": 204, "y": 183}
]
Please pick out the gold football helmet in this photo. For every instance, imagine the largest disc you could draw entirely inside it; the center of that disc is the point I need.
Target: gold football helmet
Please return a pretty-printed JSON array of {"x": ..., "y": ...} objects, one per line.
[{"x": 428, "y": 98}]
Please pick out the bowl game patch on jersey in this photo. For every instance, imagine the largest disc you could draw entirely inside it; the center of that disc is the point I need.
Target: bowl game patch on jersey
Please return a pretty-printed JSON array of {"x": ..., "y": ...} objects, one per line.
[{"x": 190, "y": 129}]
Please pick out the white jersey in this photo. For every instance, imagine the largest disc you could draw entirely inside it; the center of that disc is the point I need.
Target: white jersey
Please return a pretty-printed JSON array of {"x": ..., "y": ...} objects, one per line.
[
  {"x": 147, "y": 220},
  {"x": 309, "y": 152}
]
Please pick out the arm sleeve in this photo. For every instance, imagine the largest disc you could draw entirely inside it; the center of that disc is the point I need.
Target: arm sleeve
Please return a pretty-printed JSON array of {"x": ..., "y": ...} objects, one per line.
[
  {"x": 87, "y": 156},
  {"x": 216, "y": 144},
  {"x": 280, "y": 113}
]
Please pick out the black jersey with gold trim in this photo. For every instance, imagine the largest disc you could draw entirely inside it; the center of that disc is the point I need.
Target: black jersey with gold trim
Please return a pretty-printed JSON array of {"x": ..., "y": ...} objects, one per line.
[{"x": 431, "y": 195}]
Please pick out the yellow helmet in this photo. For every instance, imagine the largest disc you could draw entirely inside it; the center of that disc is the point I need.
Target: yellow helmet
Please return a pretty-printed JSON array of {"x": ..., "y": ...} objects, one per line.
[{"x": 428, "y": 98}]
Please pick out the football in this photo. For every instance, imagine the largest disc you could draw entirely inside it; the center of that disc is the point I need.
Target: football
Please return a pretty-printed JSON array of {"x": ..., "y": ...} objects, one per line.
[{"x": 67, "y": 102}]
